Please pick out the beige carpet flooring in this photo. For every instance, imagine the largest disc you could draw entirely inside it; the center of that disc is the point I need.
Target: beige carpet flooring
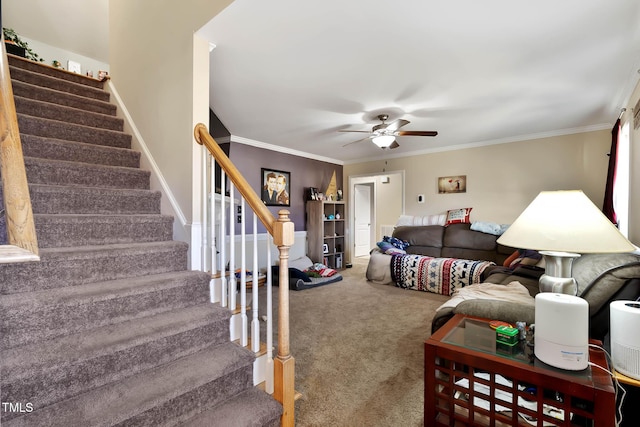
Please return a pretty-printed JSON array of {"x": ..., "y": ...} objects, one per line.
[{"x": 359, "y": 350}]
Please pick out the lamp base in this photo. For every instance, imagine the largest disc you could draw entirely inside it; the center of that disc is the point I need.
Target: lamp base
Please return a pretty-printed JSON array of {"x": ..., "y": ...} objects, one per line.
[{"x": 557, "y": 274}]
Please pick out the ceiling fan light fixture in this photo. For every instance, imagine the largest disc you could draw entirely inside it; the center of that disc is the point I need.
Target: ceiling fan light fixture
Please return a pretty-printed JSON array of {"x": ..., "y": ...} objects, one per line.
[{"x": 383, "y": 141}]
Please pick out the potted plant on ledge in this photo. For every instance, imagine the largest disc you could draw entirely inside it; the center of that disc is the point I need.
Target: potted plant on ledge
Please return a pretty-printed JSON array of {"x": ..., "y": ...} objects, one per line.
[{"x": 21, "y": 47}]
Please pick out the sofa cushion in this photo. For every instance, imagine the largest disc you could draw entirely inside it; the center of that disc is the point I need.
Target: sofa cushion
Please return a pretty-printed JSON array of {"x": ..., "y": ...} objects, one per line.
[
  {"x": 438, "y": 219},
  {"x": 464, "y": 253},
  {"x": 425, "y": 235},
  {"x": 461, "y": 236}
]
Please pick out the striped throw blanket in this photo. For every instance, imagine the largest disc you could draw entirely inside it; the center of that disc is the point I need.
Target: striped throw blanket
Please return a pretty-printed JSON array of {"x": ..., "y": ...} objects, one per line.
[{"x": 437, "y": 275}]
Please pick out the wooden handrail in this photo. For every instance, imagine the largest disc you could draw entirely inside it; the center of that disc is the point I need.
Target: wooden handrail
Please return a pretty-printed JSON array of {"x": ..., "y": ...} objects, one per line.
[
  {"x": 264, "y": 214},
  {"x": 21, "y": 231},
  {"x": 282, "y": 230}
]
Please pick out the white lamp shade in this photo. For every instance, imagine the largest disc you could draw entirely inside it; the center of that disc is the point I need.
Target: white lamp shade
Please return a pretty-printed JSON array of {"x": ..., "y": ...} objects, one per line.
[
  {"x": 565, "y": 221},
  {"x": 383, "y": 141}
]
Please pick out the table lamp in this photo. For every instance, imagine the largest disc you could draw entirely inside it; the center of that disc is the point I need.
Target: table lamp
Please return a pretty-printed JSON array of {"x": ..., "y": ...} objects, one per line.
[{"x": 561, "y": 225}]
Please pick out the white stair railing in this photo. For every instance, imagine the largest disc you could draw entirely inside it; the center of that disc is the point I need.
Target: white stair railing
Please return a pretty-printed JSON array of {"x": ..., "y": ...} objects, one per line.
[
  {"x": 219, "y": 244},
  {"x": 229, "y": 283}
]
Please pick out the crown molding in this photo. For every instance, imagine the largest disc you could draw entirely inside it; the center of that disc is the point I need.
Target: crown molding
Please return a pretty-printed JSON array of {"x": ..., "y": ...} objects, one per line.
[
  {"x": 520, "y": 138},
  {"x": 284, "y": 150}
]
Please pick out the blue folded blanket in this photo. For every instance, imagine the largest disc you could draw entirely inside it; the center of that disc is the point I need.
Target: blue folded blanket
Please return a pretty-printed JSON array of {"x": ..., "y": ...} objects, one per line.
[{"x": 489, "y": 227}]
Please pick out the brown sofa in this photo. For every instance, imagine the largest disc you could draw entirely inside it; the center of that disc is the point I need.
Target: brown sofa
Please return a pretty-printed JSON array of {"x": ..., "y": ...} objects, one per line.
[
  {"x": 601, "y": 278},
  {"x": 452, "y": 241},
  {"x": 439, "y": 241}
]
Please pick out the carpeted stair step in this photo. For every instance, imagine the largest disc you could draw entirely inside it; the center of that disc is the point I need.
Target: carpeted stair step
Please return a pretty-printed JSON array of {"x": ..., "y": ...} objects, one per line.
[
  {"x": 57, "y": 149},
  {"x": 49, "y": 371},
  {"x": 163, "y": 396},
  {"x": 45, "y": 314},
  {"x": 48, "y": 128},
  {"x": 43, "y": 70},
  {"x": 28, "y": 90},
  {"x": 102, "y": 333},
  {"x": 60, "y": 267},
  {"x": 56, "y": 199},
  {"x": 47, "y": 70},
  {"x": 58, "y": 230},
  {"x": 251, "y": 408},
  {"x": 59, "y": 172},
  {"x": 62, "y": 85},
  {"x": 47, "y": 110}
]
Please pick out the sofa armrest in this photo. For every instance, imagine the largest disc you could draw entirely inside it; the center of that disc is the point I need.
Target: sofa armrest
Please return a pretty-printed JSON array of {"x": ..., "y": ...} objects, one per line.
[
  {"x": 379, "y": 268},
  {"x": 486, "y": 309},
  {"x": 498, "y": 310}
]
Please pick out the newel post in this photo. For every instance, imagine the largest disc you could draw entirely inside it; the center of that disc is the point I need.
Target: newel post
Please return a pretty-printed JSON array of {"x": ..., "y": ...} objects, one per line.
[{"x": 284, "y": 363}]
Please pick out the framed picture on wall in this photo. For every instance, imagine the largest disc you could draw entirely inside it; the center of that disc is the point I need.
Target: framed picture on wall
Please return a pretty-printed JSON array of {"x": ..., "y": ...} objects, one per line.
[
  {"x": 275, "y": 187},
  {"x": 452, "y": 184}
]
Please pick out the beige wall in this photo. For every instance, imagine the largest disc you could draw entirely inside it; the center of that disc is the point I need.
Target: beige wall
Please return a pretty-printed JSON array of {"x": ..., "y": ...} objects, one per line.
[
  {"x": 501, "y": 179},
  {"x": 151, "y": 58},
  {"x": 389, "y": 198}
]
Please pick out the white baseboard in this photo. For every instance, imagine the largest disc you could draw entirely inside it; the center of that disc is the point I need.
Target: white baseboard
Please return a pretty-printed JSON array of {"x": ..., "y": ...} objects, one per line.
[{"x": 170, "y": 205}]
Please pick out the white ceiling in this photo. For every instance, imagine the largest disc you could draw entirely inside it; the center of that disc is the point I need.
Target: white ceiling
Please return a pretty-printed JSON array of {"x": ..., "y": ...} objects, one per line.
[{"x": 292, "y": 73}]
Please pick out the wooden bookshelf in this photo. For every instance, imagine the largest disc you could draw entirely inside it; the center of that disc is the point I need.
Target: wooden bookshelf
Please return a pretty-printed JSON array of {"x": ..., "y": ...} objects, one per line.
[{"x": 326, "y": 228}]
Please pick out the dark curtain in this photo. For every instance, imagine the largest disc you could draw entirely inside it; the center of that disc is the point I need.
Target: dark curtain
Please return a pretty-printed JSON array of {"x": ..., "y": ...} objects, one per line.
[{"x": 607, "y": 207}]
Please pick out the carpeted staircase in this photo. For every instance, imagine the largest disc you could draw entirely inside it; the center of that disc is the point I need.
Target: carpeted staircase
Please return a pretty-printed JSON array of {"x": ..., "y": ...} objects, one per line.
[{"x": 109, "y": 328}]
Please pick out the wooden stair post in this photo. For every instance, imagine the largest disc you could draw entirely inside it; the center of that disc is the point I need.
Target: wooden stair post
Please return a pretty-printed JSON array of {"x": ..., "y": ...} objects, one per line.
[{"x": 284, "y": 363}]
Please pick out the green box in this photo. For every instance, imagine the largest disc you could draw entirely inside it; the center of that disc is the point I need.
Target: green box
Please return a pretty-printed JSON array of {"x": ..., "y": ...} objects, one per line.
[{"x": 507, "y": 335}]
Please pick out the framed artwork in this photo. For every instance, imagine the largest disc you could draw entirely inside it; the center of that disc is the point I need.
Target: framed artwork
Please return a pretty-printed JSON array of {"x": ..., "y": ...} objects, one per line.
[
  {"x": 313, "y": 193},
  {"x": 275, "y": 187},
  {"x": 452, "y": 184}
]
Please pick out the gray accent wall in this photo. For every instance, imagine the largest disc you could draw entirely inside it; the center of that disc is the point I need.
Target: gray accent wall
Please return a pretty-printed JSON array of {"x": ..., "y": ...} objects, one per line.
[{"x": 305, "y": 173}]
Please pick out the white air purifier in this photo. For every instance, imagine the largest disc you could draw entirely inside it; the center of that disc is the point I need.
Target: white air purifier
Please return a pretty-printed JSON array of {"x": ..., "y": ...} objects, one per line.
[
  {"x": 625, "y": 339},
  {"x": 562, "y": 331}
]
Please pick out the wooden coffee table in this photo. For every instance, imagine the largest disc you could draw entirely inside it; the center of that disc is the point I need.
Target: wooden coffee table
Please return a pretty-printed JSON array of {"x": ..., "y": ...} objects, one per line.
[{"x": 470, "y": 381}]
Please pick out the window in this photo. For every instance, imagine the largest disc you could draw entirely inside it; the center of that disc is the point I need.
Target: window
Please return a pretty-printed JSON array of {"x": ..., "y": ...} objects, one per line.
[{"x": 621, "y": 186}]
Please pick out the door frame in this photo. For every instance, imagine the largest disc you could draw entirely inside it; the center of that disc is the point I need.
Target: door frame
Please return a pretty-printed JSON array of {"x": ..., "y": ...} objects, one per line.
[
  {"x": 371, "y": 207},
  {"x": 373, "y": 178}
]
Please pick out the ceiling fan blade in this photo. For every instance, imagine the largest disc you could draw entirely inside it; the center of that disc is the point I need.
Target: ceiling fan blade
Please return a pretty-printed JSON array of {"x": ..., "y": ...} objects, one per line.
[
  {"x": 393, "y": 145},
  {"x": 361, "y": 131},
  {"x": 416, "y": 133},
  {"x": 353, "y": 142},
  {"x": 397, "y": 124}
]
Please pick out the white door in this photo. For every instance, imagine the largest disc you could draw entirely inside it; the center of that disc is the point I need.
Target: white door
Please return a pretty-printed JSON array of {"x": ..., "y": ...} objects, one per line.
[{"x": 362, "y": 219}]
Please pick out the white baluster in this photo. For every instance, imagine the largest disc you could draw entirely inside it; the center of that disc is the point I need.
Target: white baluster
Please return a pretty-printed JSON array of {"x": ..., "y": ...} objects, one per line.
[
  {"x": 255, "y": 323},
  {"x": 223, "y": 245},
  {"x": 243, "y": 276},
  {"x": 205, "y": 208},
  {"x": 233, "y": 285},
  {"x": 212, "y": 227},
  {"x": 269, "y": 379}
]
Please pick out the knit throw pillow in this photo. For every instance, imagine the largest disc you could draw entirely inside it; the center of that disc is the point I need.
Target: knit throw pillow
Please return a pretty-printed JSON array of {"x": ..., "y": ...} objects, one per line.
[{"x": 458, "y": 216}]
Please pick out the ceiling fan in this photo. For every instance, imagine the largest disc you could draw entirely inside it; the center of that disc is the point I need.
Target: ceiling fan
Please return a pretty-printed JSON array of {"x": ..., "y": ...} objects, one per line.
[{"x": 384, "y": 134}]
